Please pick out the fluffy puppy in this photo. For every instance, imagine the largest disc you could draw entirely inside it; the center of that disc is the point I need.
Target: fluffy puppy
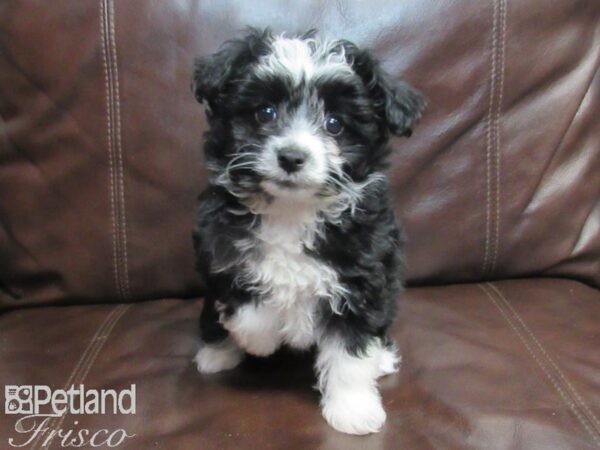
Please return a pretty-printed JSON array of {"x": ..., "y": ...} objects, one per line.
[{"x": 295, "y": 235}]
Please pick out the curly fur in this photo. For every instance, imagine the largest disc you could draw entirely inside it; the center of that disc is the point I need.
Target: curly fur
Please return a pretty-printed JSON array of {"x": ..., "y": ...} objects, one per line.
[{"x": 311, "y": 257}]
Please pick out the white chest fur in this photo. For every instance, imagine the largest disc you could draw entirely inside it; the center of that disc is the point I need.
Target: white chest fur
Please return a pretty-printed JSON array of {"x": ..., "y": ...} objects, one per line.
[{"x": 290, "y": 282}]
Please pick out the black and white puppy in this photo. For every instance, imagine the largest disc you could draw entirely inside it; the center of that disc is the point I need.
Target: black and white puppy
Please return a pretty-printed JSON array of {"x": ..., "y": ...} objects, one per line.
[{"x": 295, "y": 235}]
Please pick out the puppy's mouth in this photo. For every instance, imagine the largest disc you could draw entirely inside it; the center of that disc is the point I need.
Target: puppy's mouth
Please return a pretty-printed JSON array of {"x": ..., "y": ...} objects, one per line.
[{"x": 285, "y": 186}]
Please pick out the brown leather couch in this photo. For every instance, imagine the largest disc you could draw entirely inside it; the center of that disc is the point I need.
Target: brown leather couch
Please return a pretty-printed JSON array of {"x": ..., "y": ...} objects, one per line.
[{"x": 499, "y": 191}]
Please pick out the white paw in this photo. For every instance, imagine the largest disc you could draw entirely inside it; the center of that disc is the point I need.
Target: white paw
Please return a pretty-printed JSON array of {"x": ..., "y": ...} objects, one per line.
[
  {"x": 213, "y": 358},
  {"x": 354, "y": 411},
  {"x": 389, "y": 361},
  {"x": 255, "y": 329},
  {"x": 258, "y": 344}
]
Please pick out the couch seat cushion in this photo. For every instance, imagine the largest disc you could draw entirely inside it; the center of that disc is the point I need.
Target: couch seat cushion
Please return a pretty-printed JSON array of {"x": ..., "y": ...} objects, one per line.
[{"x": 512, "y": 364}]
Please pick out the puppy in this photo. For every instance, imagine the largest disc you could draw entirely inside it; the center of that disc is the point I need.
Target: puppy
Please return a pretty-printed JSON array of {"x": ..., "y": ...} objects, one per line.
[{"x": 295, "y": 234}]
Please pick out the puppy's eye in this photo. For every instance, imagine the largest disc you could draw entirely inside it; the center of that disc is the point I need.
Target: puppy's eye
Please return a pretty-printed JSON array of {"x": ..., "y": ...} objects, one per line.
[
  {"x": 333, "y": 125},
  {"x": 266, "y": 114}
]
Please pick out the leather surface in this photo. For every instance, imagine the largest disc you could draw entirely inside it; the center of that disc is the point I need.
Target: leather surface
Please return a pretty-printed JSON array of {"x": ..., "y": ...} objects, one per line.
[
  {"x": 504, "y": 365},
  {"x": 100, "y": 156},
  {"x": 100, "y": 163}
]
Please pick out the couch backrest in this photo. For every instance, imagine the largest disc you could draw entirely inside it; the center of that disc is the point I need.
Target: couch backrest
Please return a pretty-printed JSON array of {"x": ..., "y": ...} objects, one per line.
[{"x": 100, "y": 137}]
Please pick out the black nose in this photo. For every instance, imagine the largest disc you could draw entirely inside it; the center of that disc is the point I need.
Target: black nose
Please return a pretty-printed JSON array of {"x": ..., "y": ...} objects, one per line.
[{"x": 291, "y": 159}]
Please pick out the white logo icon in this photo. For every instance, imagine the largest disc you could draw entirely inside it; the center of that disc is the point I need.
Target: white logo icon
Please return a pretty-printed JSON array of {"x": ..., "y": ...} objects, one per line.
[{"x": 18, "y": 399}]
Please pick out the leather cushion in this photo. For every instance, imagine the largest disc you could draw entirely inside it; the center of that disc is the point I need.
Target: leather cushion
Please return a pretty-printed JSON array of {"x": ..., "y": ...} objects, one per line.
[
  {"x": 100, "y": 137},
  {"x": 504, "y": 365}
]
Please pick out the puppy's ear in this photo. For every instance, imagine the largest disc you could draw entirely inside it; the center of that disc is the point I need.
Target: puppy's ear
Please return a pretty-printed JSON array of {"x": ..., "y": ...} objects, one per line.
[
  {"x": 403, "y": 104},
  {"x": 396, "y": 103},
  {"x": 213, "y": 73}
]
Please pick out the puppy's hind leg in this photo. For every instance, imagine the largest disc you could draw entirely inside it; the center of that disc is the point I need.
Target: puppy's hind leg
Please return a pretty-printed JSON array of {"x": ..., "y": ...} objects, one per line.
[{"x": 218, "y": 351}]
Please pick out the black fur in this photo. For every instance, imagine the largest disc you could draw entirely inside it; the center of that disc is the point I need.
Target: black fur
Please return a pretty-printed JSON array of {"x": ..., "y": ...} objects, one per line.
[
  {"x": 363, "y": 246},
  {"x": 365, "y": 250}
]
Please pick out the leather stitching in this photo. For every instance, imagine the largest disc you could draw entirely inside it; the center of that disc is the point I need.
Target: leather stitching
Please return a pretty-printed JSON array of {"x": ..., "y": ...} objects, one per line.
[
  {"x": 550, "y": 360},
  {"x": 573, "y": 406},
  {"x": 501, "y": 61},
  {"x": 488, "y": 139},
  {"x": 109, "y": 95},
  {"x": 119, "y": 147},
  {"x": 100, "y": 340},
  {"x": 492, "y": 137},
  {"x": 89, "y": 350}
]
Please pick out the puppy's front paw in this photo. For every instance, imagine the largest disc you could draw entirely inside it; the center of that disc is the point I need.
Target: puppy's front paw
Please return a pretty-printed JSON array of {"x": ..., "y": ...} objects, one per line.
[
  {"x": 354, "y": 411},
  {"x": 213, "y": 358},
  {"x": 255, "y": 328}
]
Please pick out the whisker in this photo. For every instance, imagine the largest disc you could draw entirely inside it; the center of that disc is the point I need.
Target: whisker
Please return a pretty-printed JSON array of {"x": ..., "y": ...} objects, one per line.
[
  {"x": 240, "y": 166},
  {"x": 238, "y": 157},
  {"x": 240, "y": 151}
]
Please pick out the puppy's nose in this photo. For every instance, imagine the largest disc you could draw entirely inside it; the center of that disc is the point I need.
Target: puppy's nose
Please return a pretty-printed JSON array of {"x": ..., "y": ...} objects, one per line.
[{"x": 291, "y": 159}]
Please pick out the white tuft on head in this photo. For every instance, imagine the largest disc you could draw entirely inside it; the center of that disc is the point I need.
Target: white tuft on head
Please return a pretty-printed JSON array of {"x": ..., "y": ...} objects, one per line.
[{"x": 303, "y": 59}]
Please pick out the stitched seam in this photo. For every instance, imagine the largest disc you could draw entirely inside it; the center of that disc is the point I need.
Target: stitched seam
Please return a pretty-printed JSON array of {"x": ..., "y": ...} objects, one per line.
[
  {"x": 102, "y": 339},
  {"x": 117, "y": 108},
  {"x": 108, "y": 89},
  {"x": 88, "y": 350},
  {"x": 550, "y": 360},
  {"x": 488, "y": 138},
  {"x": 568, "y": 401},
  {"x": 114, "y": 154},
  {"x": 84, "y": 356},
  {"x": 500, "y": 86}
]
